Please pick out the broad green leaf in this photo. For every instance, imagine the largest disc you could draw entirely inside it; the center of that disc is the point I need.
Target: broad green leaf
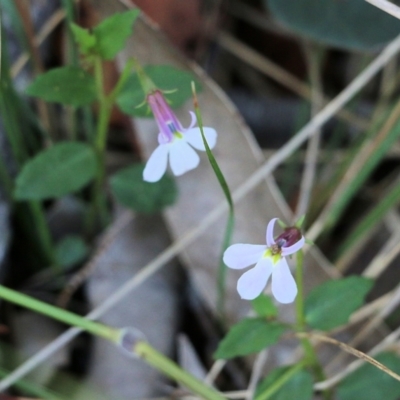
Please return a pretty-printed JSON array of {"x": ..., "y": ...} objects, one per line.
[
  {"x": 112, "y": 33},
  {"x": 55, "y": 172},
  {"x": 66, "y": 85},
  {"x": 165, "y": 78},
  {"x": 71, "y": 250},
  {"x": 86, "y": 41},
  {"x": 264, "y": 306},
  {"x": 297, "y": 387},
  {"x": 353, "y": 25},
  {"x": 370, "y": 383},
  {"x": 133, "y": 192},
  {"x": 330, "y": 304},
  {"x": 249, "y": 336}
]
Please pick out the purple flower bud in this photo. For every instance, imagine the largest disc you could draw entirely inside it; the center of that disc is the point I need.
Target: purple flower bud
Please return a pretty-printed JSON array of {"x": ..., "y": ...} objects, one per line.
[
  {"x": 289, "y": 237},
  {"x": 166, "y": 120}
]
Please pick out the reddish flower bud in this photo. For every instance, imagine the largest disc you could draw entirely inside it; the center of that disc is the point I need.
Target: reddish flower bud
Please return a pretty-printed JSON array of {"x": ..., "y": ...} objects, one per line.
[{"x": 289, "y": 237}]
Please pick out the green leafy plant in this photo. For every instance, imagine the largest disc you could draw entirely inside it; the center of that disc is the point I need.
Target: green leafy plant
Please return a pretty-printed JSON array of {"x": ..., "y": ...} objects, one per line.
[{"x": 71, "y": 161}]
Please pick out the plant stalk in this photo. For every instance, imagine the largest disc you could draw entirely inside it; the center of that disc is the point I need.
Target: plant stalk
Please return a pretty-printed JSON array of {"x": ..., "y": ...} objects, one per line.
[
  {"x": 142, "y": 349},
  {"x": 311, "y": 358},
  {"x": 59, "y": 314},
  {"x": 221, "y": 283},
  {"x": 169, "y": 368},
  {"x": 268, "y": 393}
]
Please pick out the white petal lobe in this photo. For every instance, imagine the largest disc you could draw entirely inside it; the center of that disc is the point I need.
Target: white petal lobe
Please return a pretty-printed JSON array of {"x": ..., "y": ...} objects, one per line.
[
  {"x": 193, "y": 137},
  {"x": 286, "y": 251},
  {"x": 182, "y": 157},
  {"x": 270, "y": 232},
  {"x": 253, "y": 282},
  {"x": 157, "y": 164},
  {"x": 284, "y": 287},
  {"x": 240, "y": 255}
]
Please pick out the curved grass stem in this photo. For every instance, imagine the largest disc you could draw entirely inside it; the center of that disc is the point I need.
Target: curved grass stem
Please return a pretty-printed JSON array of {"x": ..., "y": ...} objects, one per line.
[{"x": 221, "y": 281}]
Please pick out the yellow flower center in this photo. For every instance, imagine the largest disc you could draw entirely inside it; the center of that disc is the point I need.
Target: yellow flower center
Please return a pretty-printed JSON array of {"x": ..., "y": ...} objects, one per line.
[
  {"x": 178, "y": 135},
  {"x": 274, "y": 253}
]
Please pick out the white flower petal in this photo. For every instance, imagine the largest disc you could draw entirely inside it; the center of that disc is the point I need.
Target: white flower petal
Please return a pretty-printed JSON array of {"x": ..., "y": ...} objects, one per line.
[
  {"x": 253, "y": 282},
  {"x": 182, "y": 157},
  {"x": 240, "y": 255},
  {"x": 270, "y": 232},
  {"x": 163, "y": 139},
  {"x": 156, "y": 164},
  {"x": 192, "y": 121},
  {"x": 284, "y": 286},
  {"x": 286, "y": 251},
  {"x": 193, "y": 137}
]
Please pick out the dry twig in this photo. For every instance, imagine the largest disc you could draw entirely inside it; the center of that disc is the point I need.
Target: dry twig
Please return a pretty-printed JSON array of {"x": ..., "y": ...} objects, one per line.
[
  {"x": 351, "y": 350},
  {"x": 118, "y": 225}
]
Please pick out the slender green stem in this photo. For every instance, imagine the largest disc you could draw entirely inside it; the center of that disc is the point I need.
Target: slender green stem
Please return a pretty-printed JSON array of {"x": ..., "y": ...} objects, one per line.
[
  {"x": 121, "y": 81},
  {"x": 311, "y": 358},
  {"x": 98, "y": 206},
  {"x": 105, "y": 107},
  {"x": 141, "y": 349},
  {"x": 169, "y": 368},
  {"x": 300, "y": 318},
  {"x": 271, "y": 390},
  {"x": 221, "y": 283},
  {"x": 222, "y": 267},
  {"x": 73, "y": 59},
  {"x": 309, "y": 352},
  {"x": 59, "y": 314}
]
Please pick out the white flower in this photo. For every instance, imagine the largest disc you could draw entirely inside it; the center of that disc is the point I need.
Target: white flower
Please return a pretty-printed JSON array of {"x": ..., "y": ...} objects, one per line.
[
  {"x": 176, "y": 144},
  {"x": 269, "y": 260}
]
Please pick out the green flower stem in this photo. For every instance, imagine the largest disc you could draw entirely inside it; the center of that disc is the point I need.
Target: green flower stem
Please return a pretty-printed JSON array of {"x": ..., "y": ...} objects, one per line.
[
  {"x": 59, "y": 314},
  {"x": 121, "y": 81},
  {"x": 222, "y": 267},
  {"x": 271, "y": 390},
  {"x": 105, "y": 107},
  {"x": 147, "y": 84},
  {"x": 221, "y": 283},
  {"x": 98, "y": 207},
  {"x": 141, "y": 348},
  {"x": 310, "y": 355},
  {"x": 73, "y": 59},
  {"x": 300, "y": 317},
  {"x": 169, "y": 368},
  {"x": 311, "y": 358}
]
